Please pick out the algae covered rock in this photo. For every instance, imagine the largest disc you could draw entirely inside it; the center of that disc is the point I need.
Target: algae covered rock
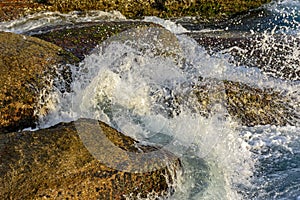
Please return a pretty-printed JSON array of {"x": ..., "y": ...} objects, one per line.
[
  {"x": 27, "y": 69},
  {"x": 55, "y": 163}
]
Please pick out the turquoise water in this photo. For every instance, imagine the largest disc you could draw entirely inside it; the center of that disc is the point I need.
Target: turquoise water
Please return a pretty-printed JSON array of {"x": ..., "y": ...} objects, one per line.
[{"x": 125, "y": 87}]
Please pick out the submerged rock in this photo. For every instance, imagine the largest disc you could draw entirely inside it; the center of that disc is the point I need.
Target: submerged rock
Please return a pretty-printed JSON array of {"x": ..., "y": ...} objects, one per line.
[
  {"x": 28, "y": 67},
  {"x": 55, "y": 163}
]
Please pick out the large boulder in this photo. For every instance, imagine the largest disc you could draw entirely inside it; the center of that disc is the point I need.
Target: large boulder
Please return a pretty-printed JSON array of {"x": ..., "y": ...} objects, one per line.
[
  {"x": 55, "y": 163},
  {"x": 28, "y": 67},
  {"x": 81, "y": 38}
]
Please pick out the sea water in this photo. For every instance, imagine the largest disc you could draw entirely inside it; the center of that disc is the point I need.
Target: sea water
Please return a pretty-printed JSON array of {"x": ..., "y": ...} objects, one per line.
[{"x": 136, "y": 94}]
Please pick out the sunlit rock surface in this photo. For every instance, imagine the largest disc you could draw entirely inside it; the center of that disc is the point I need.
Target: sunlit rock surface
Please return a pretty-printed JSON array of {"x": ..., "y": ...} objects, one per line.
[
  {"x": 261, "y": 106},
  {"x": 219, "y": 9},
  {"x": 53, "y": 163},
  {"x": 246, "y": 104},
  {"x": 27, "y": 69}
]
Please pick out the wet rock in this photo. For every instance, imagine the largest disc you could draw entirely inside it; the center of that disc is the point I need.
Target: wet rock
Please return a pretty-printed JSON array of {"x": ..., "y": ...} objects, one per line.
[
  {"x": 153, "y": 41},
  {"x": 246, "y": 104},
  {"x": 81, "y": 38},
  {"x": 28, "y": 67},
  {"x": 261, "y": 106},
  {"x": 55, "y": 163},
  {"x": 162, "y": 8},
  {"x": 218, "y": 9},
  {"x": 274, "y": 54}
]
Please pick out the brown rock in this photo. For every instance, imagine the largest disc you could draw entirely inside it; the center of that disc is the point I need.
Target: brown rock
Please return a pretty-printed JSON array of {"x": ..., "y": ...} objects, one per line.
[
  {"x": 81, "y": 38},
  {"x": 246, "y": 104},
  {"x": 213, "y": 9},
  {"x": 53, "y": 163},
  {"x": 28, "y": 66},
  {"x": 13, "y": 9}
]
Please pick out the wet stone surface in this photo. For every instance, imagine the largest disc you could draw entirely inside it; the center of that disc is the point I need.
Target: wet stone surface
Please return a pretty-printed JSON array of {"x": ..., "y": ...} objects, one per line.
[
  {"x": 28, "y": 67},
  {"x": 54, "y": 163}
]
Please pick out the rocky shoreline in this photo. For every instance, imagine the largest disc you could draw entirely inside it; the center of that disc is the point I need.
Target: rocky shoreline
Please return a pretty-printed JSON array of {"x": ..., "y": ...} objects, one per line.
[
  {"x": 204, "y": 10},
  {"x": 54, "y": 163}
]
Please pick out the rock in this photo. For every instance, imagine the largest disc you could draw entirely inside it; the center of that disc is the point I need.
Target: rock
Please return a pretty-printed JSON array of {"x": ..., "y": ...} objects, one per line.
[
  {"x": 261, "y": 106},
  {"x": 13, "y": 9},
  {"x": 247, "y": 105},
  {"x": 218, "y": 9},
  {"x": 161, "y": 8},
  {"x": 273, "y": 54},
  {"x": 54, "y": 163},
  {"x": 28, "y": 67},
  {"x": 81, "y": 38},
  {"x": 152, "y": 41}
]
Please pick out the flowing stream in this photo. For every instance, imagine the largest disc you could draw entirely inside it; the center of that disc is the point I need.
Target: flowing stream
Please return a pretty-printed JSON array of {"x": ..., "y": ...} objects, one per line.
[{"x": 135, "y": 92}]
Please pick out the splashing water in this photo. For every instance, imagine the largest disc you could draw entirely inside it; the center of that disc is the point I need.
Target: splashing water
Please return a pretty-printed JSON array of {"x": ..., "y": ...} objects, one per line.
[{"x": 138, "y": 94}]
